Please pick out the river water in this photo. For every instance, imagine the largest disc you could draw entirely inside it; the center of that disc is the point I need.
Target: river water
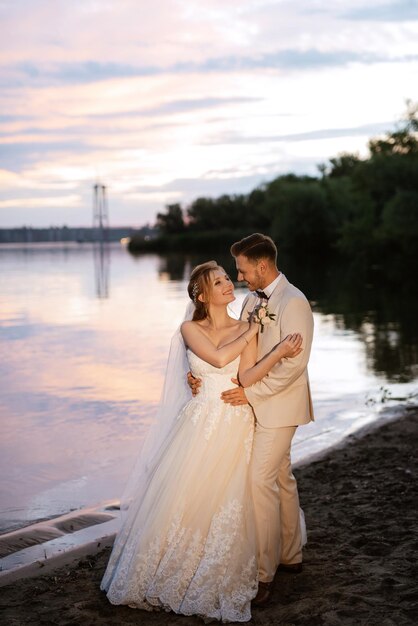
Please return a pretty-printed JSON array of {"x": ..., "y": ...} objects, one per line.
[{"x": 84, "y": 335}]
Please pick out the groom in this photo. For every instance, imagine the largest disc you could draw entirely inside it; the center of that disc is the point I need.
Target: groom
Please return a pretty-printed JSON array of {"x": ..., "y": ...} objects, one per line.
[{"x": 281, "y": 402}]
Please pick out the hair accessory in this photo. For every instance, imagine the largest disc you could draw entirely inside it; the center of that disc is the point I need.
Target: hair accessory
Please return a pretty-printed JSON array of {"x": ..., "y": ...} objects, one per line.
[{"x": 195, "y": 290}]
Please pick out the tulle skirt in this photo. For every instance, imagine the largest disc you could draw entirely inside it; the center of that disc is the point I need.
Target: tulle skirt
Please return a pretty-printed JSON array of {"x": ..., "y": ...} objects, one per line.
[{"x": 189, "y": 545}]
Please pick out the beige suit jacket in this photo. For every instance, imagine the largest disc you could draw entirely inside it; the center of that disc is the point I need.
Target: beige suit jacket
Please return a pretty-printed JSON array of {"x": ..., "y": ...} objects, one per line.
[{"x": 283, "y": 397}]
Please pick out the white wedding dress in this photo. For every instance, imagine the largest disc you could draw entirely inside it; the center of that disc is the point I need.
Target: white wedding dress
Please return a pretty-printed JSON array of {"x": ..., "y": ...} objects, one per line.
[{"x": 189, "y": 545}]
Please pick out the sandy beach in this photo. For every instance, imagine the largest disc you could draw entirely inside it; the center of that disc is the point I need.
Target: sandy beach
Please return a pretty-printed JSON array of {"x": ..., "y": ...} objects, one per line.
[{"x": 360, "y": 560}]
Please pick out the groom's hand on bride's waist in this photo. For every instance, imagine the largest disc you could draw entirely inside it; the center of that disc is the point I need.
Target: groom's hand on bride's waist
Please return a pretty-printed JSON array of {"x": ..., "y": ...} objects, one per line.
[
  {"x": 194, "y": 383},
  {"x": 234, "y": 396}
]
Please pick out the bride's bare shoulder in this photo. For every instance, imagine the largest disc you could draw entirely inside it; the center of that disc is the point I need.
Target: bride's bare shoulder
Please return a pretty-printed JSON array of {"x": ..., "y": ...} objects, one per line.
[
  {"x": 190, "y": 326},
  {"x": 187, "y": 324}
]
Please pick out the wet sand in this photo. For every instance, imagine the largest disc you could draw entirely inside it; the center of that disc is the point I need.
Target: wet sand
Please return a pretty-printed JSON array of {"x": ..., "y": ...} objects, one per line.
[{"x": 360, "y": 504}]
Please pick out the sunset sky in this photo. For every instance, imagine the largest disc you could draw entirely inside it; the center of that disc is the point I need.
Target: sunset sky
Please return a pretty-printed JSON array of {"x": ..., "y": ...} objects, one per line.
[{"x": 167, "y": 100}]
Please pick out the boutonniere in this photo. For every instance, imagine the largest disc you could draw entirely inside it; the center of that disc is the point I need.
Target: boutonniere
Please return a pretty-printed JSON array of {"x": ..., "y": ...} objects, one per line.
[{"x": 261, "y": 315}]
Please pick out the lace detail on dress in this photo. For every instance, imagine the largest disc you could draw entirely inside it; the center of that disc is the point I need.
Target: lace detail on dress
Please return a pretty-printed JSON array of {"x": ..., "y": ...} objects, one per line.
[
  {"x": 248, "y": 445},
  {"x": 193, "y": 411},
  {"x": 193, "y": 575},
  {"x": 212, "y": 412},
  {"x": 228, "y": 598}
]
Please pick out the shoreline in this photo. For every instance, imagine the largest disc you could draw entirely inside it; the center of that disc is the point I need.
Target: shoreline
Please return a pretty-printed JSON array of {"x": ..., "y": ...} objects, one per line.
[
  {"x": 321, "y": 441},
  {"x": 360, "y": 565}
]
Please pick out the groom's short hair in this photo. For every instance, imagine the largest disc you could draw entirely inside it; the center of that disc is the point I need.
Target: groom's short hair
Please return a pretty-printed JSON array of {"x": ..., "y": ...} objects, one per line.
[{"x": 255, "y": 247}]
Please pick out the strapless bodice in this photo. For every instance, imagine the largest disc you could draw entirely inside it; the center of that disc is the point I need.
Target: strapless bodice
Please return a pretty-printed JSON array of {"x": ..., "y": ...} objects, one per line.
[{"x": 214, "y": 379}]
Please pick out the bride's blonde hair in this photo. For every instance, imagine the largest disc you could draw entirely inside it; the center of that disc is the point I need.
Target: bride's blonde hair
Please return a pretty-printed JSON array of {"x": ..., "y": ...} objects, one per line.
[{"x": 200, "y": 284}]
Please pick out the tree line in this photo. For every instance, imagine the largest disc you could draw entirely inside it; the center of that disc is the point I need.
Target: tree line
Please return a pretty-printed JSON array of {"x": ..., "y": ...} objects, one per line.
[{"x": 363, "y": 208}]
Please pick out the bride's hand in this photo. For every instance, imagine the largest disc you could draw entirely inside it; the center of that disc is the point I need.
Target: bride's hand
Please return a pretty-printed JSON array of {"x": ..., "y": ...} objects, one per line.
[
  {"x": 290, "y": 347},
  {"x": 254, "y": 327}
]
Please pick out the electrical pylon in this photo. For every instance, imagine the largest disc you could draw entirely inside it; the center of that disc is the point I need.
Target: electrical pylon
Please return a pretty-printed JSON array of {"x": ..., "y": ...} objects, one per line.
[{"x": 100, "y": 213}]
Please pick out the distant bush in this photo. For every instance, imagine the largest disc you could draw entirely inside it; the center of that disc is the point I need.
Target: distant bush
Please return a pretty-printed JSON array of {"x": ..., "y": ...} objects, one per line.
[{"x": 188, "y": 241}]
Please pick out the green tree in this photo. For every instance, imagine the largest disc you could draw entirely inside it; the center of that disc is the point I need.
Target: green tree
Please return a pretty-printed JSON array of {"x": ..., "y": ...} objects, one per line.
[
  {"x": 172, "y": 221},
  {"x": 201, "y": 215},
  {"x": 225, "y": 212},
  {"x": 399, "y": 226},
  {"x": 384, "y": 186},
  {"x": 302, "y": 222},
  {"x": 232, "y": 211},
  {"x": 402, "y": 141}
]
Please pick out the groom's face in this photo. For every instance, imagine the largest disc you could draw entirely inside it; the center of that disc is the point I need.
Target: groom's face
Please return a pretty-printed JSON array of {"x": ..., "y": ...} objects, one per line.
[{"x": 248, "y": 271}]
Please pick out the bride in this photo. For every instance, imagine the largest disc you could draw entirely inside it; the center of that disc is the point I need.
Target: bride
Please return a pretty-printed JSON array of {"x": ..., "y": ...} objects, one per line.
[{"x": 187, "y": 543}]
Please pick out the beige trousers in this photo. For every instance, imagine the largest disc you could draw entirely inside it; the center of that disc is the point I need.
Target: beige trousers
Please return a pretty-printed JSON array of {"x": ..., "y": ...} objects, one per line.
[{"x": 276, "y": 500}]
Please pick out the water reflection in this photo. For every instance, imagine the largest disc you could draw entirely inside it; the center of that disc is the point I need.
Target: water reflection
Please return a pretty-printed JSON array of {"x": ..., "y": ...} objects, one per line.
[
  {"x": 80, "y": 376},
  {"x": 381, "y": 308},
  {"x": 101, "y": 255},
  {"x": 174, "y": 267}
]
